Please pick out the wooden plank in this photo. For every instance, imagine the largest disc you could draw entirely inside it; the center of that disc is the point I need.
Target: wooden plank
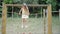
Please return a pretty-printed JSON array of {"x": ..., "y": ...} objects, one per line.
[
  {"x": 54, "y": 11},
  {"x": 4, "y": 15},
  {"x": 59, "y": 15},
  {"x": 35, "y": 5},
  {"x": 49, "y": 14}
]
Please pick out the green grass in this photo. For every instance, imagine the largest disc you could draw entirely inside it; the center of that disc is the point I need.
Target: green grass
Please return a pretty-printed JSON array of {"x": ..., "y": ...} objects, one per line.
[
  {"x": 55, "y": 25},
  {"x": 36, "y": 26}
]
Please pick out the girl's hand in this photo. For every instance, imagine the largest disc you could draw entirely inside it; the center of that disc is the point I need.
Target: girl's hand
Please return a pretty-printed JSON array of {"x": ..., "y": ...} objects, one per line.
[{"x": 19, "y": 13}]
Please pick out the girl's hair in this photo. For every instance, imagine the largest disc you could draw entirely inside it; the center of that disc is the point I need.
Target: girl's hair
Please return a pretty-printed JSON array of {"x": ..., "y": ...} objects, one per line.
[{"x": 25, "y": 7}]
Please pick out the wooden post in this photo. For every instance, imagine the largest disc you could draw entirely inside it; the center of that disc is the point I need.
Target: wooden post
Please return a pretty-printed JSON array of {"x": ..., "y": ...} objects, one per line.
[
  {"x": 4, "y": 16},
  {"x": 49, "y": 15},
  {"x": 41, "y": 12},
  {"x": 59, "y": 14},
  {"x": 44, "y": 21},
  {"x": 12, "y": 12}
]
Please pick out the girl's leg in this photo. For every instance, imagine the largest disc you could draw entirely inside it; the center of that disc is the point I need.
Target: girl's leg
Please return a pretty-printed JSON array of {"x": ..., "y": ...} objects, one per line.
[
  {"x": 23, "y": 22},
  {"x": 26, "y": 23}
]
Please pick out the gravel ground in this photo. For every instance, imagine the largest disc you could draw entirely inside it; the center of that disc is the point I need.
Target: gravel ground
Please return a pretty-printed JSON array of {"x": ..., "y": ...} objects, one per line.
[{"x": 35, "y": 26}]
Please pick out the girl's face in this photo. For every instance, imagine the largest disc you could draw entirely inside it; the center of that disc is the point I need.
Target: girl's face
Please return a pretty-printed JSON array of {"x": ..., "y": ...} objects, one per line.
[{"x": 24, "y": 6}]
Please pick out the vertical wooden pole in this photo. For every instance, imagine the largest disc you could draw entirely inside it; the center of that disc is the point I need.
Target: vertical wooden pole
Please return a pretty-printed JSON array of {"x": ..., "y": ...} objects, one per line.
[
  {"x": 49, "y": 19},
  {"x": 4, "y": 16},
  {"x": 41, "y": 12},
  {"x": 44, "y": 21},
  {"x": 59, "y": 14},
  {"x": 12, "y": 12}
]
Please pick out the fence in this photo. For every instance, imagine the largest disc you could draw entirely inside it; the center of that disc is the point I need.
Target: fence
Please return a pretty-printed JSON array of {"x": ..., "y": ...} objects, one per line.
[{"x": 4, "y": 16}]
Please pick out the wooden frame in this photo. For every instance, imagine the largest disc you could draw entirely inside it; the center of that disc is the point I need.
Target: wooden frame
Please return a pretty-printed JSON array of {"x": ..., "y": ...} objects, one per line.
[{"x": 4, "y": 16}]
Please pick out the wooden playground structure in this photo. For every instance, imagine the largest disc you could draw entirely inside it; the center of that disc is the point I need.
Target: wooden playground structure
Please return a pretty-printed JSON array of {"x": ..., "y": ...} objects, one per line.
[{"x": 4, "y": 16}]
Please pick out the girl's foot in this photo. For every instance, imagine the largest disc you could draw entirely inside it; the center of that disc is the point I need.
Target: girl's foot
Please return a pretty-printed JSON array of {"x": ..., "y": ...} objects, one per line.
[
  {"x": 26, "y": 26},
  {"x": 22, "y": 26}
]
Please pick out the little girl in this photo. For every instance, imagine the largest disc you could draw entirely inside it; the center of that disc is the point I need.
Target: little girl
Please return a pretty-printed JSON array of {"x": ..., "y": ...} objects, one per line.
[{"x": 25, "y": 15}]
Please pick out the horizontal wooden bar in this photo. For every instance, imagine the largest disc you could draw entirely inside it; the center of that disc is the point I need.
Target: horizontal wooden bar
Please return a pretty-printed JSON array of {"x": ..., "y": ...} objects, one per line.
[
  {"x": 55, "y": 11},
  {"x": 0, "y": 6},
  {"x": 27, "y": 5}
]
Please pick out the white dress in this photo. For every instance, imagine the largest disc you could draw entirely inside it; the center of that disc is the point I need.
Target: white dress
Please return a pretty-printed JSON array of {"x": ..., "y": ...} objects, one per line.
[{"x": 23, "y": 14}]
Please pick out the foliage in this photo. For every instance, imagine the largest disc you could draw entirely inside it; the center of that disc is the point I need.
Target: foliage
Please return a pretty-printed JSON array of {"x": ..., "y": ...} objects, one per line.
[
  {"x": 8, "y": 1},
  {"x": 52, "y": 2},
  {"x": 26, "y": 1}
]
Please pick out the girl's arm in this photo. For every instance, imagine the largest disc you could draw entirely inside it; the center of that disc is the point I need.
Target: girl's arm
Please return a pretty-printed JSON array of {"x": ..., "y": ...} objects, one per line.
[
  {"x": 20, "y": 11},
  {"x": 28, "y": 11}
]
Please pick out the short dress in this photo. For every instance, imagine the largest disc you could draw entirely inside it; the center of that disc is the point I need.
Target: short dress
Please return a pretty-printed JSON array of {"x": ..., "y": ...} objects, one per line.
[{"x": 23, "y": 14}]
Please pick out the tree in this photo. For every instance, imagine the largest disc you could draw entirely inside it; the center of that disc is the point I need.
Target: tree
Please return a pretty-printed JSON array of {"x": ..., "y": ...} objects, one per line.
[
  {"x": 26, "y": 1},
  {"x": 8, "y": 1},
  {"x": 53, "y": 3},
  {"x": 0, "y": 5}
]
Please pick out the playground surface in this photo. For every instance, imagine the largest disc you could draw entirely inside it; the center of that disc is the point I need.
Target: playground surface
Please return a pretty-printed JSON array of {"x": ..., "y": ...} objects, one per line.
[{"x": 35, "y": 26}]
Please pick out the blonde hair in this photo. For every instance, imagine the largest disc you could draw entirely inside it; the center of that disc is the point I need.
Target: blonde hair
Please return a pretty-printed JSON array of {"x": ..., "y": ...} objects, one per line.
[{"x": 25, "y": 8}]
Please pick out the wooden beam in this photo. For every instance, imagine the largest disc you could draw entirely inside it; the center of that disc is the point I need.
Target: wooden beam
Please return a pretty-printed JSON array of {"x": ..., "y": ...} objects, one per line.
[
  {"x": 49, "y": 14},
  {"x": 59, "y": 15},
  {"x": 4, "y": 16},
  {"x": 35, "y": 5}
]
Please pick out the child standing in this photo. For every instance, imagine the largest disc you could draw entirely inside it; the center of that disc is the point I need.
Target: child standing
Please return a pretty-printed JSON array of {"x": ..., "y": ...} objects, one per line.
[{"x": 25, "y": 15}]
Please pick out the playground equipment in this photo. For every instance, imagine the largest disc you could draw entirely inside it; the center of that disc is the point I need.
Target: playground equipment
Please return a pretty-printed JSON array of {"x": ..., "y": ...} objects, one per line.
[{"x": 4, "y": 16}]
